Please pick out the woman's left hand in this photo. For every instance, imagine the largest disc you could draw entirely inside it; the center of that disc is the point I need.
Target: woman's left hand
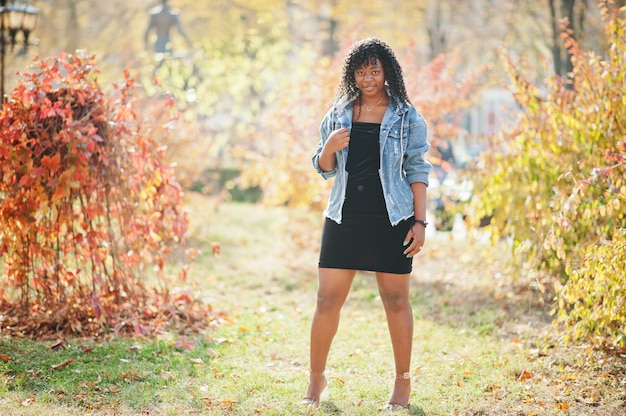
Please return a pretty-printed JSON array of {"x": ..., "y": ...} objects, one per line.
[{"x": 414, "y": 240}]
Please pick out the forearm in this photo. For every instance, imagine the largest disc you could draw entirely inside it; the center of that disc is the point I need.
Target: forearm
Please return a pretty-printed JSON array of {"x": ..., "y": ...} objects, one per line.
[
  {"x": 419, "y": 200},
  {"x": 327, "y": 160}
]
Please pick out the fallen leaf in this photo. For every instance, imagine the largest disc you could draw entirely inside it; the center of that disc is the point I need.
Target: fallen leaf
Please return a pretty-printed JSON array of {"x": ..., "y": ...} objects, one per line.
[
  {"x": 591, "y": 400},
  {"x": 197, "y": 361},
  {"x": 28, "y": 401},
  {"x": 115, "y": 389},
  {"x": 60, "y": 344},
  {"x": 561, "y": 406},
  {"x": 166, "y": 375},
  {"x": 493, "y": 387},
  {"x": 339, "y": 381},
  {"x": 4, "y": 358},
  {"x": 62, "y": 365},
  {"x": 211, "y": 352},
  {"x": 524, "y": 375}
]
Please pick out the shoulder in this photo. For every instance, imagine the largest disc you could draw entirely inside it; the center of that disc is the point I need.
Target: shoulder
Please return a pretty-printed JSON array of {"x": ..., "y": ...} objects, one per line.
[
  {"x": 413, "y": 114},
  {"x": 406, "y": 110}
]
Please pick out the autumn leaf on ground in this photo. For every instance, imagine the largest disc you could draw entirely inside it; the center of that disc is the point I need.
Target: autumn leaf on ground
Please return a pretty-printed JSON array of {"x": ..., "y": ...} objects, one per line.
[
  {"x": 183, "y": 344},
  {"x": 524, "y": 375},
  {"x": 339, "y": 380},
  {"x": 62, "y": 365},
  {"x": 60, "y": 344},
  {"x": 130, "y": 375},
  {"x": 28, "y": 401},
  {"x": 4, "y": 358},
  {"x": 561, "y": 406},
  {"x": 198, "y": 361},
  {"x": 167, "y": 375},
  {"x": 589, "y": 399}
]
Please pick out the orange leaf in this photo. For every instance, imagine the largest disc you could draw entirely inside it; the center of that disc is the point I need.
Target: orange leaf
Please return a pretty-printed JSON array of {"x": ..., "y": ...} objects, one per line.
[
  {"x": 52, "y": 163},
  {"x": 525, "y": 375},
  {"x": 4, "y": 358},
  {"x": 26, "y": 180},
  {"x": 562, "y": 406}
]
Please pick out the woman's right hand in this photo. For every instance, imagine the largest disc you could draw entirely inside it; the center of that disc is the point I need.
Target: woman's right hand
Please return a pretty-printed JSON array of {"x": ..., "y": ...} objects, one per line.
[{"x": 338, "y": 140}]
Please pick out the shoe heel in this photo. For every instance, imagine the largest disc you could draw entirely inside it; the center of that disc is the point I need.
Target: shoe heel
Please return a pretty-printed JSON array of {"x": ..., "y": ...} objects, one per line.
[{"x": 325, "y": 395}]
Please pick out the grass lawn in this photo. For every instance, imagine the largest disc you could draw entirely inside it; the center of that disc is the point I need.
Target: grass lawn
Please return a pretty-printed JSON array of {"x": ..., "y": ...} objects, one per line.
[{"x": 482, "y": 346}]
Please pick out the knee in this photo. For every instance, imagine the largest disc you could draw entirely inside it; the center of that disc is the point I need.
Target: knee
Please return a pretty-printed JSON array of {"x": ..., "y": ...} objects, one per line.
[
  {"x": 328, "y": 302},
  {"x": 395, "y": 302}
]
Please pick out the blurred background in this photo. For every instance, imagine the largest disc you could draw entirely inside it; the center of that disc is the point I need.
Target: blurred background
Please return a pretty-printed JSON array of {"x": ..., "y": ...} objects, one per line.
[{"x": 253, "y": 78}]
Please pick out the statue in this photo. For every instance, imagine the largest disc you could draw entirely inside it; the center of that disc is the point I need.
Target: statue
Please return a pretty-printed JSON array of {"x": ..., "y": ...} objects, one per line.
[{"x": 162, "y": 20}]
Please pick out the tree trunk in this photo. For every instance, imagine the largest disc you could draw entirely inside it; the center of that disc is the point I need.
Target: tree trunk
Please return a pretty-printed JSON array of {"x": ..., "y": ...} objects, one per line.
[
  {"x": 436, "y": 29},
  {"x": 72, "y": 27},
  {"x": 556, "y": 39},
  {"x": 568, "y": 12}
]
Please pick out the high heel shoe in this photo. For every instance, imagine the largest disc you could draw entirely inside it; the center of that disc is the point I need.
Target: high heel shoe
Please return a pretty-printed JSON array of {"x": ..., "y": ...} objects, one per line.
[
  {"x": 311, "y": 401},
  {"x": 395, "y": 406}
]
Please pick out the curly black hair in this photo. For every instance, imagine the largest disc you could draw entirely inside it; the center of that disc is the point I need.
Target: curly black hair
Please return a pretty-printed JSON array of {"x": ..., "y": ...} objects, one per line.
[{"x": 366, "y": 52}]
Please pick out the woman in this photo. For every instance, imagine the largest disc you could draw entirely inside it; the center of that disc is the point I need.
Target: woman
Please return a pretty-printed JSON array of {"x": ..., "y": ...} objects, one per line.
[{"x": 373, "y": 143}]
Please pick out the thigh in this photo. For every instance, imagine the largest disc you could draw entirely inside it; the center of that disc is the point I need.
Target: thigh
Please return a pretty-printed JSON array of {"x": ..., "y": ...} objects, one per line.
[
  {"x": 335, "y": 283},
  {"x": 392, "y": 284}
]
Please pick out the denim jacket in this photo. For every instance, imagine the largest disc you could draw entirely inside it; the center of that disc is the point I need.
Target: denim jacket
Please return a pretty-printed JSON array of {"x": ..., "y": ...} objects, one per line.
[{"x": 403, "y": 144}]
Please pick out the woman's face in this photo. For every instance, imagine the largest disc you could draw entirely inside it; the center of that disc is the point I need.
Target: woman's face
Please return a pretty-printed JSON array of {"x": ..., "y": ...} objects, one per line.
[{"x": 370, "y": 78}]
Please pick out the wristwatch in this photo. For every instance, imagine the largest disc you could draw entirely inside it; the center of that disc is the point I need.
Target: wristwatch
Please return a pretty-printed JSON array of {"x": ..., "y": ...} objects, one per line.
[{"x": 420, "y": 222}]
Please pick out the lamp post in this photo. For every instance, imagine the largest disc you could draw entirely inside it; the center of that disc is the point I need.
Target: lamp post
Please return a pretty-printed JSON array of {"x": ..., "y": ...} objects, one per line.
[{"x": 14, "y": 18}]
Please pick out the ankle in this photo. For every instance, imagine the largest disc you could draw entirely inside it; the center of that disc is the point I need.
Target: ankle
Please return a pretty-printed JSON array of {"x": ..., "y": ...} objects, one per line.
[
  {"x": 313, "y": 373},
  {"x": 403, "y": 376}
]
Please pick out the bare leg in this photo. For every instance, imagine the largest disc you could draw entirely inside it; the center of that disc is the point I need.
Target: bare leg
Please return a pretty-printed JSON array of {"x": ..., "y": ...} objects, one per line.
[
  {"x": 394, "y": 292},
  {"x": 333, "y": 289}
]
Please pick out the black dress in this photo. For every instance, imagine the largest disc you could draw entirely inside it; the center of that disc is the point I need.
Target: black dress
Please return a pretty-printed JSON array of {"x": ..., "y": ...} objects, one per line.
[{"x": 365, "y": 239}]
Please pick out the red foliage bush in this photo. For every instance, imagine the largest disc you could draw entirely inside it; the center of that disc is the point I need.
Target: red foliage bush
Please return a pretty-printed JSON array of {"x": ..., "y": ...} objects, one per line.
[{"x": 87, "y": 204}]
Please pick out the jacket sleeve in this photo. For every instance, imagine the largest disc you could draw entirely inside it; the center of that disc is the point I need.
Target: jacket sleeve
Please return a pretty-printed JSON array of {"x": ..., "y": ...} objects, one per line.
[
  {"x": 325, "y": 129},
  {"x": 415, "y": 164}
]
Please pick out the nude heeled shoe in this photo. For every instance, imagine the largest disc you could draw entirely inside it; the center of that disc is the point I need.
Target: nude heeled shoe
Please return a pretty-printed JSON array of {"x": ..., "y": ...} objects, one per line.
[
  {"x": 310, "y": 401},
  {"x": 395, "y": 406}
]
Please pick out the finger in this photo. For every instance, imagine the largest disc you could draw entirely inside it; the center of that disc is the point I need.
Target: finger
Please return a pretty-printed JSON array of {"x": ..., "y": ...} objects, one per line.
[
  {"x": 408, "y": 238},
  {"x": 413, "y": 251},
  {"x": 414, "y": 248}
]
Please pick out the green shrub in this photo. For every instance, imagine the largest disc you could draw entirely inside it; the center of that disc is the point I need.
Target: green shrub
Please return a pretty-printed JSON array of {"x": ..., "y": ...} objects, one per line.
[{"x": 555, "y": 183}]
